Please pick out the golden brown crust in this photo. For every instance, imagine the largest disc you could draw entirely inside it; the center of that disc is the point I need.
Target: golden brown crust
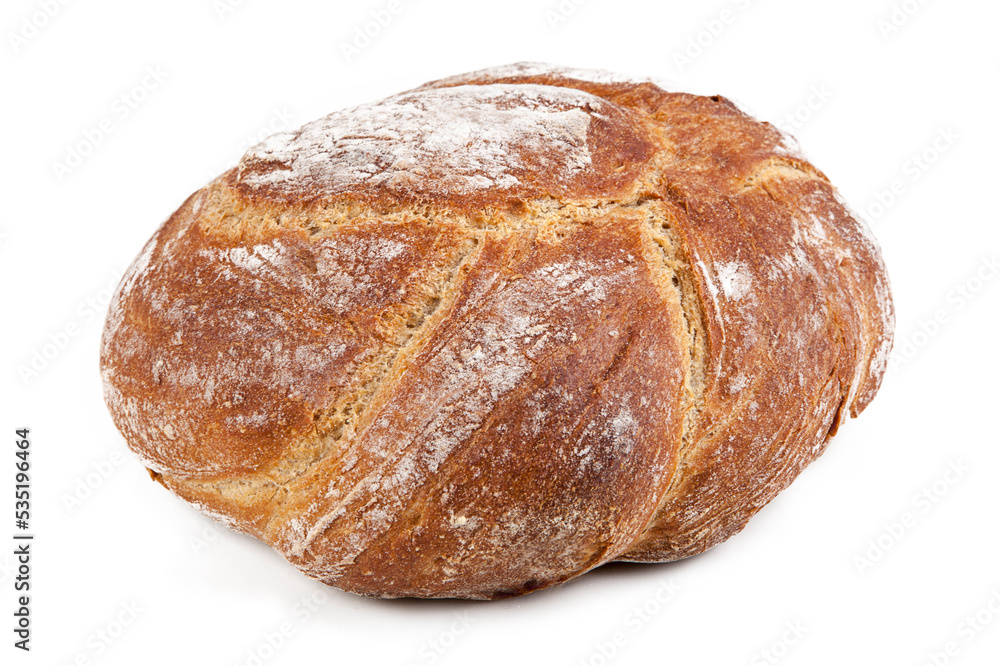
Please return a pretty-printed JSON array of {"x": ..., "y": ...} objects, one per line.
[
  {"x": 553, "y": 355},
  {"x": 481, "y": 337}
]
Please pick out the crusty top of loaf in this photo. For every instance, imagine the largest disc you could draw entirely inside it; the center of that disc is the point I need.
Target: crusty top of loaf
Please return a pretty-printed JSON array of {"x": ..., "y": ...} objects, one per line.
[
  {"x": 482, "y": 144},
  {"x": 477, "y": 338}
]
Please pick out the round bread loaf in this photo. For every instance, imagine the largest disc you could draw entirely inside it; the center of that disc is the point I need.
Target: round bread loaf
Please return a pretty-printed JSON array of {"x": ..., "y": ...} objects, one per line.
[{"x": 478, "y": 338}]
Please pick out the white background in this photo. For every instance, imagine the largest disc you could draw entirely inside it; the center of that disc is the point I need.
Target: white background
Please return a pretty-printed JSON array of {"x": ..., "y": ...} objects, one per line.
[{"x": 831, "y": 556}]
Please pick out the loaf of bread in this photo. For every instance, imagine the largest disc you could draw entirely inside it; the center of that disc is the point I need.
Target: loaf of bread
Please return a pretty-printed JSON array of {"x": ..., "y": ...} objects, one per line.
[{"x": 481, "y": 337}]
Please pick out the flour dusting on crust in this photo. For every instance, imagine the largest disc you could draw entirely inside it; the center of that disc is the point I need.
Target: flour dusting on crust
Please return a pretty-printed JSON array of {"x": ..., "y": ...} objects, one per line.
[{"x": 463, "y": 139}]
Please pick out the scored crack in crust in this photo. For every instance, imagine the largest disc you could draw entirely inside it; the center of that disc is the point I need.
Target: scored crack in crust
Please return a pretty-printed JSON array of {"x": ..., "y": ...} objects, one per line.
[{"x": 481, "y": 337}]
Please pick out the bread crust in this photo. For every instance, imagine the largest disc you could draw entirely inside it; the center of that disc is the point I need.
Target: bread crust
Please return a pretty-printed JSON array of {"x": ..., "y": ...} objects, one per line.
[{"x": 479, "y": 338}]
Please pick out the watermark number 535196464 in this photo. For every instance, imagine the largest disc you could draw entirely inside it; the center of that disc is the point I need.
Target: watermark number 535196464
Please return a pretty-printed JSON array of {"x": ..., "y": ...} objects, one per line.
[{"x": 22, "y": 539}]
